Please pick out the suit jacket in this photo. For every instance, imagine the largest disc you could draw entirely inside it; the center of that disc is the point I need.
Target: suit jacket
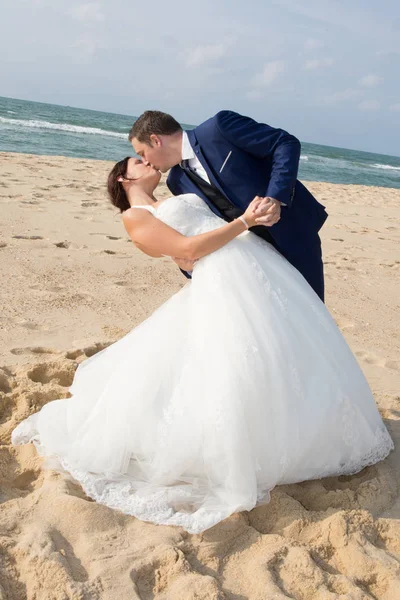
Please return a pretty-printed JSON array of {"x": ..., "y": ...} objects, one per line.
[{"x": 244, "y": 159}]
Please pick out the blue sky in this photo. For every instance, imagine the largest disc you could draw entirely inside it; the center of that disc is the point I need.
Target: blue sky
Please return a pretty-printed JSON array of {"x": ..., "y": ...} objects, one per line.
[{"x": 325, "y": 70}]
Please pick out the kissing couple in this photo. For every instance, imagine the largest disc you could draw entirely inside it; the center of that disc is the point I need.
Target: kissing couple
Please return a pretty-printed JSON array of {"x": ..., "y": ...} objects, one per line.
[{"x": 241, "y": 381}]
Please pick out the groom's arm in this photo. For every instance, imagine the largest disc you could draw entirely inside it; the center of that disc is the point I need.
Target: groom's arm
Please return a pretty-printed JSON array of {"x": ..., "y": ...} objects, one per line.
[{"x": 263, "y": 141}]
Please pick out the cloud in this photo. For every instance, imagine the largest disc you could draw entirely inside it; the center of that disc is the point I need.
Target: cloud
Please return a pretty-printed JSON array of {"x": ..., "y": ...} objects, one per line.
[
  {"x": 255, "y": 95},
  {"x": 395, "y": 107},
  {"x": 338, "y": 97},
  {"x": 369, "y": 105},
  {"x": 86, "y": 45},
  {"x": 90, "y": 11},
  {"x": 202, "y": 55},
  {"x": 312, "y": 44},
  {"x": 311, "y": 65},
  {"x": 268, "y": 74},
  {"x": 371, "y": 80}
]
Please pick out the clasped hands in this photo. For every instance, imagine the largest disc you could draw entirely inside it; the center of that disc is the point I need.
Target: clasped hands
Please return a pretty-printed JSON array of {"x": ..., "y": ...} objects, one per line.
[{"x": 267, "y": 212}]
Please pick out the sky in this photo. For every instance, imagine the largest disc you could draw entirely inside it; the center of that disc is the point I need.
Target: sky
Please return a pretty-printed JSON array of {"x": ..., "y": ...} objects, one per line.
[{"x": 327, "y": 71}]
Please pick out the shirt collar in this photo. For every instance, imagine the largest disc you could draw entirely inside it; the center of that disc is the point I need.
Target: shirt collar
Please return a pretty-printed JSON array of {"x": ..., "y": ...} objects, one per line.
[{"x": 187, "y": 150}]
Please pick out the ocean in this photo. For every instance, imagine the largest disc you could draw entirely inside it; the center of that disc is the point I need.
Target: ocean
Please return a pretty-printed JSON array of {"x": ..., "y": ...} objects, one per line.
[{"x": 48, "y": 129}]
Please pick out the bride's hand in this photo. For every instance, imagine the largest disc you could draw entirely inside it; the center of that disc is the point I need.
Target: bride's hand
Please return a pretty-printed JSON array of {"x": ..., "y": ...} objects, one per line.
[{"x": 250, "y": 215}]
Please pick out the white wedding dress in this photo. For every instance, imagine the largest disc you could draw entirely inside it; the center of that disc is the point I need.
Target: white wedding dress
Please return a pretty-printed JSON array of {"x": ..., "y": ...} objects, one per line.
[{"x": 238, "y": 383}]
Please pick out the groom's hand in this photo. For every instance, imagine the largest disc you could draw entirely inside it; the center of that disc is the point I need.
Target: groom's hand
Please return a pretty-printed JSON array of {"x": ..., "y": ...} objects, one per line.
[{"x": 268, "y": 211}]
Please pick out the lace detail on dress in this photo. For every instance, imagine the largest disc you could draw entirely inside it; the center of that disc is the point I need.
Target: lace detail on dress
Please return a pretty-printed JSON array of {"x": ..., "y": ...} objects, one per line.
[
  {"x": 279, "y": 297},
  {"x": 188, "y": 214},
  {"x": 260, "y": 276},
  {"x": 379, "y": 451},
  {"x": 296, "y": 382},
  {"x": 157, "y": 506},
  {"x": 323, "y": 317},
  {"x": 349, "y": 432}
]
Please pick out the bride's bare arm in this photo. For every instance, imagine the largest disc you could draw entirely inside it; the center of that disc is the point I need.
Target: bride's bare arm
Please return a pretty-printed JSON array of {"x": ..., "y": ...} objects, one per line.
[{"x": 157, "y": 239}]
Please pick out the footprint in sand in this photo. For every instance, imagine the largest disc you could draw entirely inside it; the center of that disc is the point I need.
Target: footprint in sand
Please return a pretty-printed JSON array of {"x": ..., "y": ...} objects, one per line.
[
  {"x": 346, "y": 267},
  {"x": 369, "y": 358},
  {"x": 52, "y": 372},
  {"x": 7, "y": 408},
  {"x": 395, "y": 264},
  {"x": 26, "y": 480},
  {"x": 373, "y": 359},
  {"x": 5, "y": 381},
  {"x": 113, "y": 237},
  {"x": 95, "y": 348},
  {"x": 394, "y": 365},
  {"x": 88, "y": 351},
  {"x": 86, "y": 204},
  {"x": 12, "y": 477},
  {"x": 56, "y": 288},
  {"x": 65, "y": 244},
  {"x": 3, "y": 244},
  {"x": 344, "y": 324},
  {"x": 28, "y": 237},
  {"x": 30, "y": 324},
  {"x": 33, "y": 350},
  {"x": 122, "y": 283}
]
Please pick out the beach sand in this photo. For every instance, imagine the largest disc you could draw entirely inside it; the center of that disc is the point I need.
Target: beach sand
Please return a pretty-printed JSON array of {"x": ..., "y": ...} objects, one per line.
[{"x": 72, "y": 283}]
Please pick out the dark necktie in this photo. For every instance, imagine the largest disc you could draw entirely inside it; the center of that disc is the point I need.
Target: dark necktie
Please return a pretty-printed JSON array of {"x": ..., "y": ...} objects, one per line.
[{"x": 228, "y": 210}]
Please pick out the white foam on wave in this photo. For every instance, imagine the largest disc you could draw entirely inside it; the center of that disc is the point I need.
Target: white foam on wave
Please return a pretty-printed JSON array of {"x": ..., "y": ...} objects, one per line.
[
  {"x": 378, "y": 166},
  {"x": 62, "y": 127},
  {"x": 303, "y": 157}
]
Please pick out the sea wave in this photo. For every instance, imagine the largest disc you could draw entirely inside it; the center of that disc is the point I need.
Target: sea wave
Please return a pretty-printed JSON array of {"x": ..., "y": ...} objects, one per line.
[
  {"x": 62, "y": 127},
  {"x": 391, "y": 167},
  {"x": 303, "y": 157}
]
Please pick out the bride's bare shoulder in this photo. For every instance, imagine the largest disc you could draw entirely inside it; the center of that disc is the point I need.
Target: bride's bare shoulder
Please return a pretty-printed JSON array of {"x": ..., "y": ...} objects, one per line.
[{"x": 135, "y": 215}]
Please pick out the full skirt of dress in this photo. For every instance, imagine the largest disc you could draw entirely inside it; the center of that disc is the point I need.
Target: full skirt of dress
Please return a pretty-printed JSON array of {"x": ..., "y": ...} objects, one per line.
[{"x": 241, "y": 381}]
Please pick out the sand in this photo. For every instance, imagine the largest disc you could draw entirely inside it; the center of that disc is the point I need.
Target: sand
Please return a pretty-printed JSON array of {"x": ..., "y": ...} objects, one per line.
[{"x": 72, "y": 283}]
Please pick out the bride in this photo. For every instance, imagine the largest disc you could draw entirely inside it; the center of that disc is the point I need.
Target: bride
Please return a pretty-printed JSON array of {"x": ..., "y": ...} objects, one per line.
[{"x": 241, "y": 381}]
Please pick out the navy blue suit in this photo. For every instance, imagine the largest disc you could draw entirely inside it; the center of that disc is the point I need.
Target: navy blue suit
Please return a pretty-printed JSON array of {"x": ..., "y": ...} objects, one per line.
[{"x": 244, "y": 159}]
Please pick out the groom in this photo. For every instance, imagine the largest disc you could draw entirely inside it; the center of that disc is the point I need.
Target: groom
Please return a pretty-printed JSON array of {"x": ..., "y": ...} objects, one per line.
[{"x": 228, "y": 160}]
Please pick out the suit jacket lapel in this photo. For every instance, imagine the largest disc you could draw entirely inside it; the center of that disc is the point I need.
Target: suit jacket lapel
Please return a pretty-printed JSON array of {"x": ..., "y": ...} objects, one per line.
[{"x": 199, "y": 154}]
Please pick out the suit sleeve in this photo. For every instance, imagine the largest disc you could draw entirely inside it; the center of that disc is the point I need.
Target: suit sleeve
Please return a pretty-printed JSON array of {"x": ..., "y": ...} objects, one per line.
[{"x": 263, "y": 141}]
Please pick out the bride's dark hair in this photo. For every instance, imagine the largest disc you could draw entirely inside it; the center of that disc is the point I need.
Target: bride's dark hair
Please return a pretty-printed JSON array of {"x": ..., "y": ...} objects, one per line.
[{"x": 115, "y": 188}]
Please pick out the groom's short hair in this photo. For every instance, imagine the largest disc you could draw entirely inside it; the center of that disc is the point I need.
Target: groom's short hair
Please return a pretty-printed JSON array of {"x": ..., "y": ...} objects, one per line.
[{"x": 153, "y": 122}]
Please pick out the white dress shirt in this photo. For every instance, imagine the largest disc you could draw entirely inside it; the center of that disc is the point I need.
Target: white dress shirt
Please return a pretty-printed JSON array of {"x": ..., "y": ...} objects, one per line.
[{"x": 194, "y": 163}]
